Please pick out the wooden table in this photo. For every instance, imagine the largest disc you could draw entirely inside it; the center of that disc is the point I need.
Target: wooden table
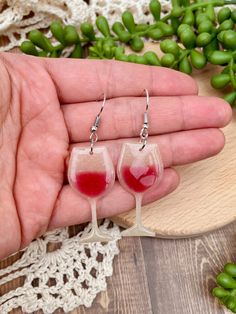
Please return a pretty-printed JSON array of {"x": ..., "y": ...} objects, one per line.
[
  {"x": 164, "y": 276},
  {"x": 167, "y": 276}
]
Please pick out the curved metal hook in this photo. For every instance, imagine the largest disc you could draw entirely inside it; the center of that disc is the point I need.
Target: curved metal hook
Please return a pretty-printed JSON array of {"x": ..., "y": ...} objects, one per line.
[
  {"x": 103, "y": 104},
  {"x": 93, "y": 135},
  {"x": 147, "y": 99},
  {"x": 144, "y": 130}
]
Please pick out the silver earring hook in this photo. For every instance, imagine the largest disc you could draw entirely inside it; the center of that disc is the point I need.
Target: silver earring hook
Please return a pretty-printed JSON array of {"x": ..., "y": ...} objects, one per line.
[
  {"x": 144, "y": 130},
  {"x": 147, "y": 99},
  {"x": 93, "y": 136},
  {"x": 103, "y": 104}
]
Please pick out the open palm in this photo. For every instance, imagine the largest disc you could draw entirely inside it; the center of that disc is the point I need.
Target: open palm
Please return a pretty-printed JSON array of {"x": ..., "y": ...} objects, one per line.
[{"x": 47, "y": 107}]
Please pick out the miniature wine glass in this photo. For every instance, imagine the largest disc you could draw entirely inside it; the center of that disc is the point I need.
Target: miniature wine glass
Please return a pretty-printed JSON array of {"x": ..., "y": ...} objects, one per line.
[
  {"x": 91, "y": 174},
  {"x": 139, "y": 168}
]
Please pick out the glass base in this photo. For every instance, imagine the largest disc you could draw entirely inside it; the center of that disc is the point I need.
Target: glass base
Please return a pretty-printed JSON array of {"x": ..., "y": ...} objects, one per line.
[
  {"x": 137, "y": 231},
  {"x": 95, "y": 236}
]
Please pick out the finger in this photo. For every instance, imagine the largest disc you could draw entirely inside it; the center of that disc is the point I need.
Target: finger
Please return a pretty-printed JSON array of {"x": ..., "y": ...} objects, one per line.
[
  {"x": 175, "y": 148},
  {"x": 123, "y": 117},
  {"x": 72, "y": 209},
  {"x": 86, "y": 80}
]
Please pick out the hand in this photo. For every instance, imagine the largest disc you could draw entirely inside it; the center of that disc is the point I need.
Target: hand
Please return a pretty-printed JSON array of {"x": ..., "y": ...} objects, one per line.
[{"x": 48, "y": 106}]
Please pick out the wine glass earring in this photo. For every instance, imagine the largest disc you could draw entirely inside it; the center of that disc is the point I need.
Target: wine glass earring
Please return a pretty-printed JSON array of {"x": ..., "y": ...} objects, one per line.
[
  {"x": 91, "y": 174},
  {"x": 139, "y": 168}
]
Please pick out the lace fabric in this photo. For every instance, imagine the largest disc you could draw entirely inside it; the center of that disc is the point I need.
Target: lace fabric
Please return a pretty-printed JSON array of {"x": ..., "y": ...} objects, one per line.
[
  {"x": 70, "y": 276},
  {"x": 18, "y": 17}
]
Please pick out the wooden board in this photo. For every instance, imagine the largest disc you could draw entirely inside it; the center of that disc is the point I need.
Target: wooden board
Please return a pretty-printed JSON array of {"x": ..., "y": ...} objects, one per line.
[
  {"x": 206, "y": 197},
  {"x": 145, "y": 270}
]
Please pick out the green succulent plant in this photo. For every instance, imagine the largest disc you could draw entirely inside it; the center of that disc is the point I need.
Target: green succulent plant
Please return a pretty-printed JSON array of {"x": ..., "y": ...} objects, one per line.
[
  {"x": 226, "y": 290},
  {"x": 191, "y": 35}
]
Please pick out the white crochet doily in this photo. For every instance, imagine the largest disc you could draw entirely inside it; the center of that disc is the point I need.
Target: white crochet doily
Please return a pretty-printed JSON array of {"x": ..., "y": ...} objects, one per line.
[
  {"x": 65, "y": 278},
  {"x": 18, "y": 17}
]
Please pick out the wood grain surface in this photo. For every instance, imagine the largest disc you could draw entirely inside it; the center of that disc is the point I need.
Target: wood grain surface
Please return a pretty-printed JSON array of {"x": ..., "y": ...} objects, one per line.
[
  {"x": 160, "y": 276},
  {"x": 206, "y": 198}
]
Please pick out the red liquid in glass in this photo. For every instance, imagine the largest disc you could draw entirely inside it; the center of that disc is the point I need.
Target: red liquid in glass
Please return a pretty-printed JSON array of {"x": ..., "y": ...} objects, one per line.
[
  {"x": 92, "y": 184},
  {"x": 139, "y": 179}
]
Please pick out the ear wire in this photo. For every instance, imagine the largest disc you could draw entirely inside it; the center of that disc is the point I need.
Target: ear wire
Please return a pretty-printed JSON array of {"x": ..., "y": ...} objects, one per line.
[
  {"x": 144, "y": 130},
  {"x": 93, "y": 136}
]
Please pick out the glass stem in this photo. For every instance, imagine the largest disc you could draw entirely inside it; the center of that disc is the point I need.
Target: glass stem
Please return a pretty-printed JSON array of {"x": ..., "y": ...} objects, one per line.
[
  {"x": 93, "y": 205},
  {"x": 138, "y": 200}
]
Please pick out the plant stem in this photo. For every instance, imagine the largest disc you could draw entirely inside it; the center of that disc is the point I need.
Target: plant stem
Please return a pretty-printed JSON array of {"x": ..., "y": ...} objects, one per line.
[
  {"x": 215, "y": 3},
  {"x": 59, "y": 47},
  {"x": 166, "y": 17},
  {"x": 175, "y": 3},
  {"x": 182, "y": 56}
]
